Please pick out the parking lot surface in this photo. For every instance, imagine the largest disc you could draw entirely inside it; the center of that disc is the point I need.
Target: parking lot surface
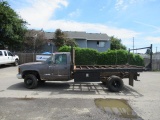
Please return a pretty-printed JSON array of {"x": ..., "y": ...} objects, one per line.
[{"x": 69, "y": 100}]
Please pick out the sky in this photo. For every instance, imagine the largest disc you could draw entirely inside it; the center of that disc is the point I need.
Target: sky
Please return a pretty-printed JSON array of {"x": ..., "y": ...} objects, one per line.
[{"x": 128, "y": 20}]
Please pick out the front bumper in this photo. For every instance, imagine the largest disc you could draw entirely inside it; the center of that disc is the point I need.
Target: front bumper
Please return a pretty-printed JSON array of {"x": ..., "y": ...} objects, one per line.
[{"x": 19, "y": 76}]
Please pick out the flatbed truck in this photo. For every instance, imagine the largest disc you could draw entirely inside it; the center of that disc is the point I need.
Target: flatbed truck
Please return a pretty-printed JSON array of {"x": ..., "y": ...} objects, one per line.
[{"x": 61, "y": 67}]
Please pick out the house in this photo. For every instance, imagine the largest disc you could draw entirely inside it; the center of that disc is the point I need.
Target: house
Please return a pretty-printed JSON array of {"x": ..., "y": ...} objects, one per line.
[
  {"x": 49, "y": 46},
  {"x": 98, "y": 41}
]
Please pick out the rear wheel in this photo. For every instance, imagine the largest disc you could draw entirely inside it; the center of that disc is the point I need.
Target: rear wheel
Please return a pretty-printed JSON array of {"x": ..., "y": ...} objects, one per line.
[
  {"x": 115, "y": 84},
  {"x": 30, "y": 81}
]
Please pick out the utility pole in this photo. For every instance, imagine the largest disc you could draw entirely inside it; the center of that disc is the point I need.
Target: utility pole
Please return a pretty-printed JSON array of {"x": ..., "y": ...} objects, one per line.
[
  {"x": 156, "y": 49},
  {"x": 34, "y": 45},
  {"x": 133, "y": 45},
  {"x": 151, "y": 57}
]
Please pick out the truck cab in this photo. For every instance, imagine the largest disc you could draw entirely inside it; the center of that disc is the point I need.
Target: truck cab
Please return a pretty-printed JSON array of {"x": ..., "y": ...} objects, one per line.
[
  {"x": 55, "y": 68},
  {"x": 6, "y": 57},
  {"x": 58, "y": 67}
]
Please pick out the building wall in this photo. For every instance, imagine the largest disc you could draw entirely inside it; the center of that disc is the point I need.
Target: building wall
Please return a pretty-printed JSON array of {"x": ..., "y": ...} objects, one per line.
[
  {"x": 155, "y": 60},
  {"x": 94, "y": 44},
  {"x": 49, "y": 48},
  {"x": 81, "y": 43}
]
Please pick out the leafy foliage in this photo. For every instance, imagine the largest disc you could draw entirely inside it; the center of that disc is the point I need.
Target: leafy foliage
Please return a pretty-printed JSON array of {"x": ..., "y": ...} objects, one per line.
[
  {"x": 116, "y": 44},
  {"x": 59, "y": 38},
  {"x": 86, "y": 56},
  {"x": 34, "y": 40},
  {"x": 113, "y": 57},
  {"x": 70, "y": 42},
  {"x": 83, "y": 56},
  {"x": 64, "y": 49},
  {"x": 12, "y": 27}
]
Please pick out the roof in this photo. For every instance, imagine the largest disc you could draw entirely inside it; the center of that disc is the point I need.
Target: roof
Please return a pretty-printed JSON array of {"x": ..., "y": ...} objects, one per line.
[
  {"x": 80, "y": 35},
  {"x": 33, "y": 33},
  {"x": 97, "y": 36},
  {"x": 75, "y": 34},
  {"x": 49, "y": 35}
]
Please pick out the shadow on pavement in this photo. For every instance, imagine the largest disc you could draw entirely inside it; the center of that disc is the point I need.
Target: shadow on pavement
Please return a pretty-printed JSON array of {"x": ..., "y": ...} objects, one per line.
[
  {"x": 6, "y": 66},
  {"x": 76, "y": 88}
]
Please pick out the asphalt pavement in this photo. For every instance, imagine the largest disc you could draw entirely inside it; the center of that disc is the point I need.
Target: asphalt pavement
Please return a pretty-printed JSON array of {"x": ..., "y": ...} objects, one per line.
[{"x": 70, "y": 101}]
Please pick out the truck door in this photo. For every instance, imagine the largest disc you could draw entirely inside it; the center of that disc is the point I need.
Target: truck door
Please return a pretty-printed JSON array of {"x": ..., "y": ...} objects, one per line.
[
  {"x": 10, "y": 57},
  {"x": 60, "y": 70},
  {"x": 5, "y": 57}
]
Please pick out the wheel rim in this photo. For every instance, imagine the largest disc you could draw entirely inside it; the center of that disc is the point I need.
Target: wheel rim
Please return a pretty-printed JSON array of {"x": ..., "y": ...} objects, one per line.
[
  {"x": 29, "y": 82},
  {"x": 116, "y": 84}
]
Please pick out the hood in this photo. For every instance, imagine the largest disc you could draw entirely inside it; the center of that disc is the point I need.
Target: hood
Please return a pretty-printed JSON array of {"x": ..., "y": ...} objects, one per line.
[
  {"x": 36, "y": 66},
  {"x": 16, "y": 56}
]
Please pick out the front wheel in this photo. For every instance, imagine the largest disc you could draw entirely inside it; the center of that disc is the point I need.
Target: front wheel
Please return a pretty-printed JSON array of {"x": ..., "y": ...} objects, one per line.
[{"x": 30, "y": 81}]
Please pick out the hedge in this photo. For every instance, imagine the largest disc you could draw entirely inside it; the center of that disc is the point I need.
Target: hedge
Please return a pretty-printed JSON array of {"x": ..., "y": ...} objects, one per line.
[{"x": 87, "y": 56}]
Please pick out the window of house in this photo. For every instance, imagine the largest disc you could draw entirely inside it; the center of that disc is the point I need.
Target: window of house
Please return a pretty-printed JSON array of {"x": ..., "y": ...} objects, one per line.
[{"x": 100, "y": 44}]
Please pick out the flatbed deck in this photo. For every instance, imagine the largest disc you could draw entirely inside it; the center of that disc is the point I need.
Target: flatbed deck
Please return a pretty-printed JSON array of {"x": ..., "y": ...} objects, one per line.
[
  {"x": 110, "y": 75},
  {"x": 109, "y": 68}
]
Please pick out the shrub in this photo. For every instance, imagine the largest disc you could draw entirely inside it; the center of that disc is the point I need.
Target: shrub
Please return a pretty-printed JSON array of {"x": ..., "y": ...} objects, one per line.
[{"x": 87, "y": 56}]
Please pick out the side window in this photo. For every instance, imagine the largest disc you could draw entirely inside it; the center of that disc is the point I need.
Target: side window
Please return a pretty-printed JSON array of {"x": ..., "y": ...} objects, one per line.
[
  {"x": 50, "y": 60},
  {"x": 0, "y": 53},
  {"x": 5, "y": 53},
  {"x": 61, "y": 59},
  {"x": 10, "y": 54}
]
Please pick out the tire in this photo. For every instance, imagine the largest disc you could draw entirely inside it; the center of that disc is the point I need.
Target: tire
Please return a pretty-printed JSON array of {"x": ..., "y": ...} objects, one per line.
[
  {"x": 16, "y": 63},
  {"x": 115, "y": 84},
  {"x": 41, "y": 81},
  {"x": 30, "y": 81}
]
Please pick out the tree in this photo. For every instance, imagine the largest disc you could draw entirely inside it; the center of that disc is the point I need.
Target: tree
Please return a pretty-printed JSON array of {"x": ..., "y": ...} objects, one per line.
[
  {"x": 12, "y": 27},
  {"x": 61, "y": 39},
  {"x": 70, "y": 42},
  {"x": 34, "y": 40},
  {"x": 116, "y": 44}
]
